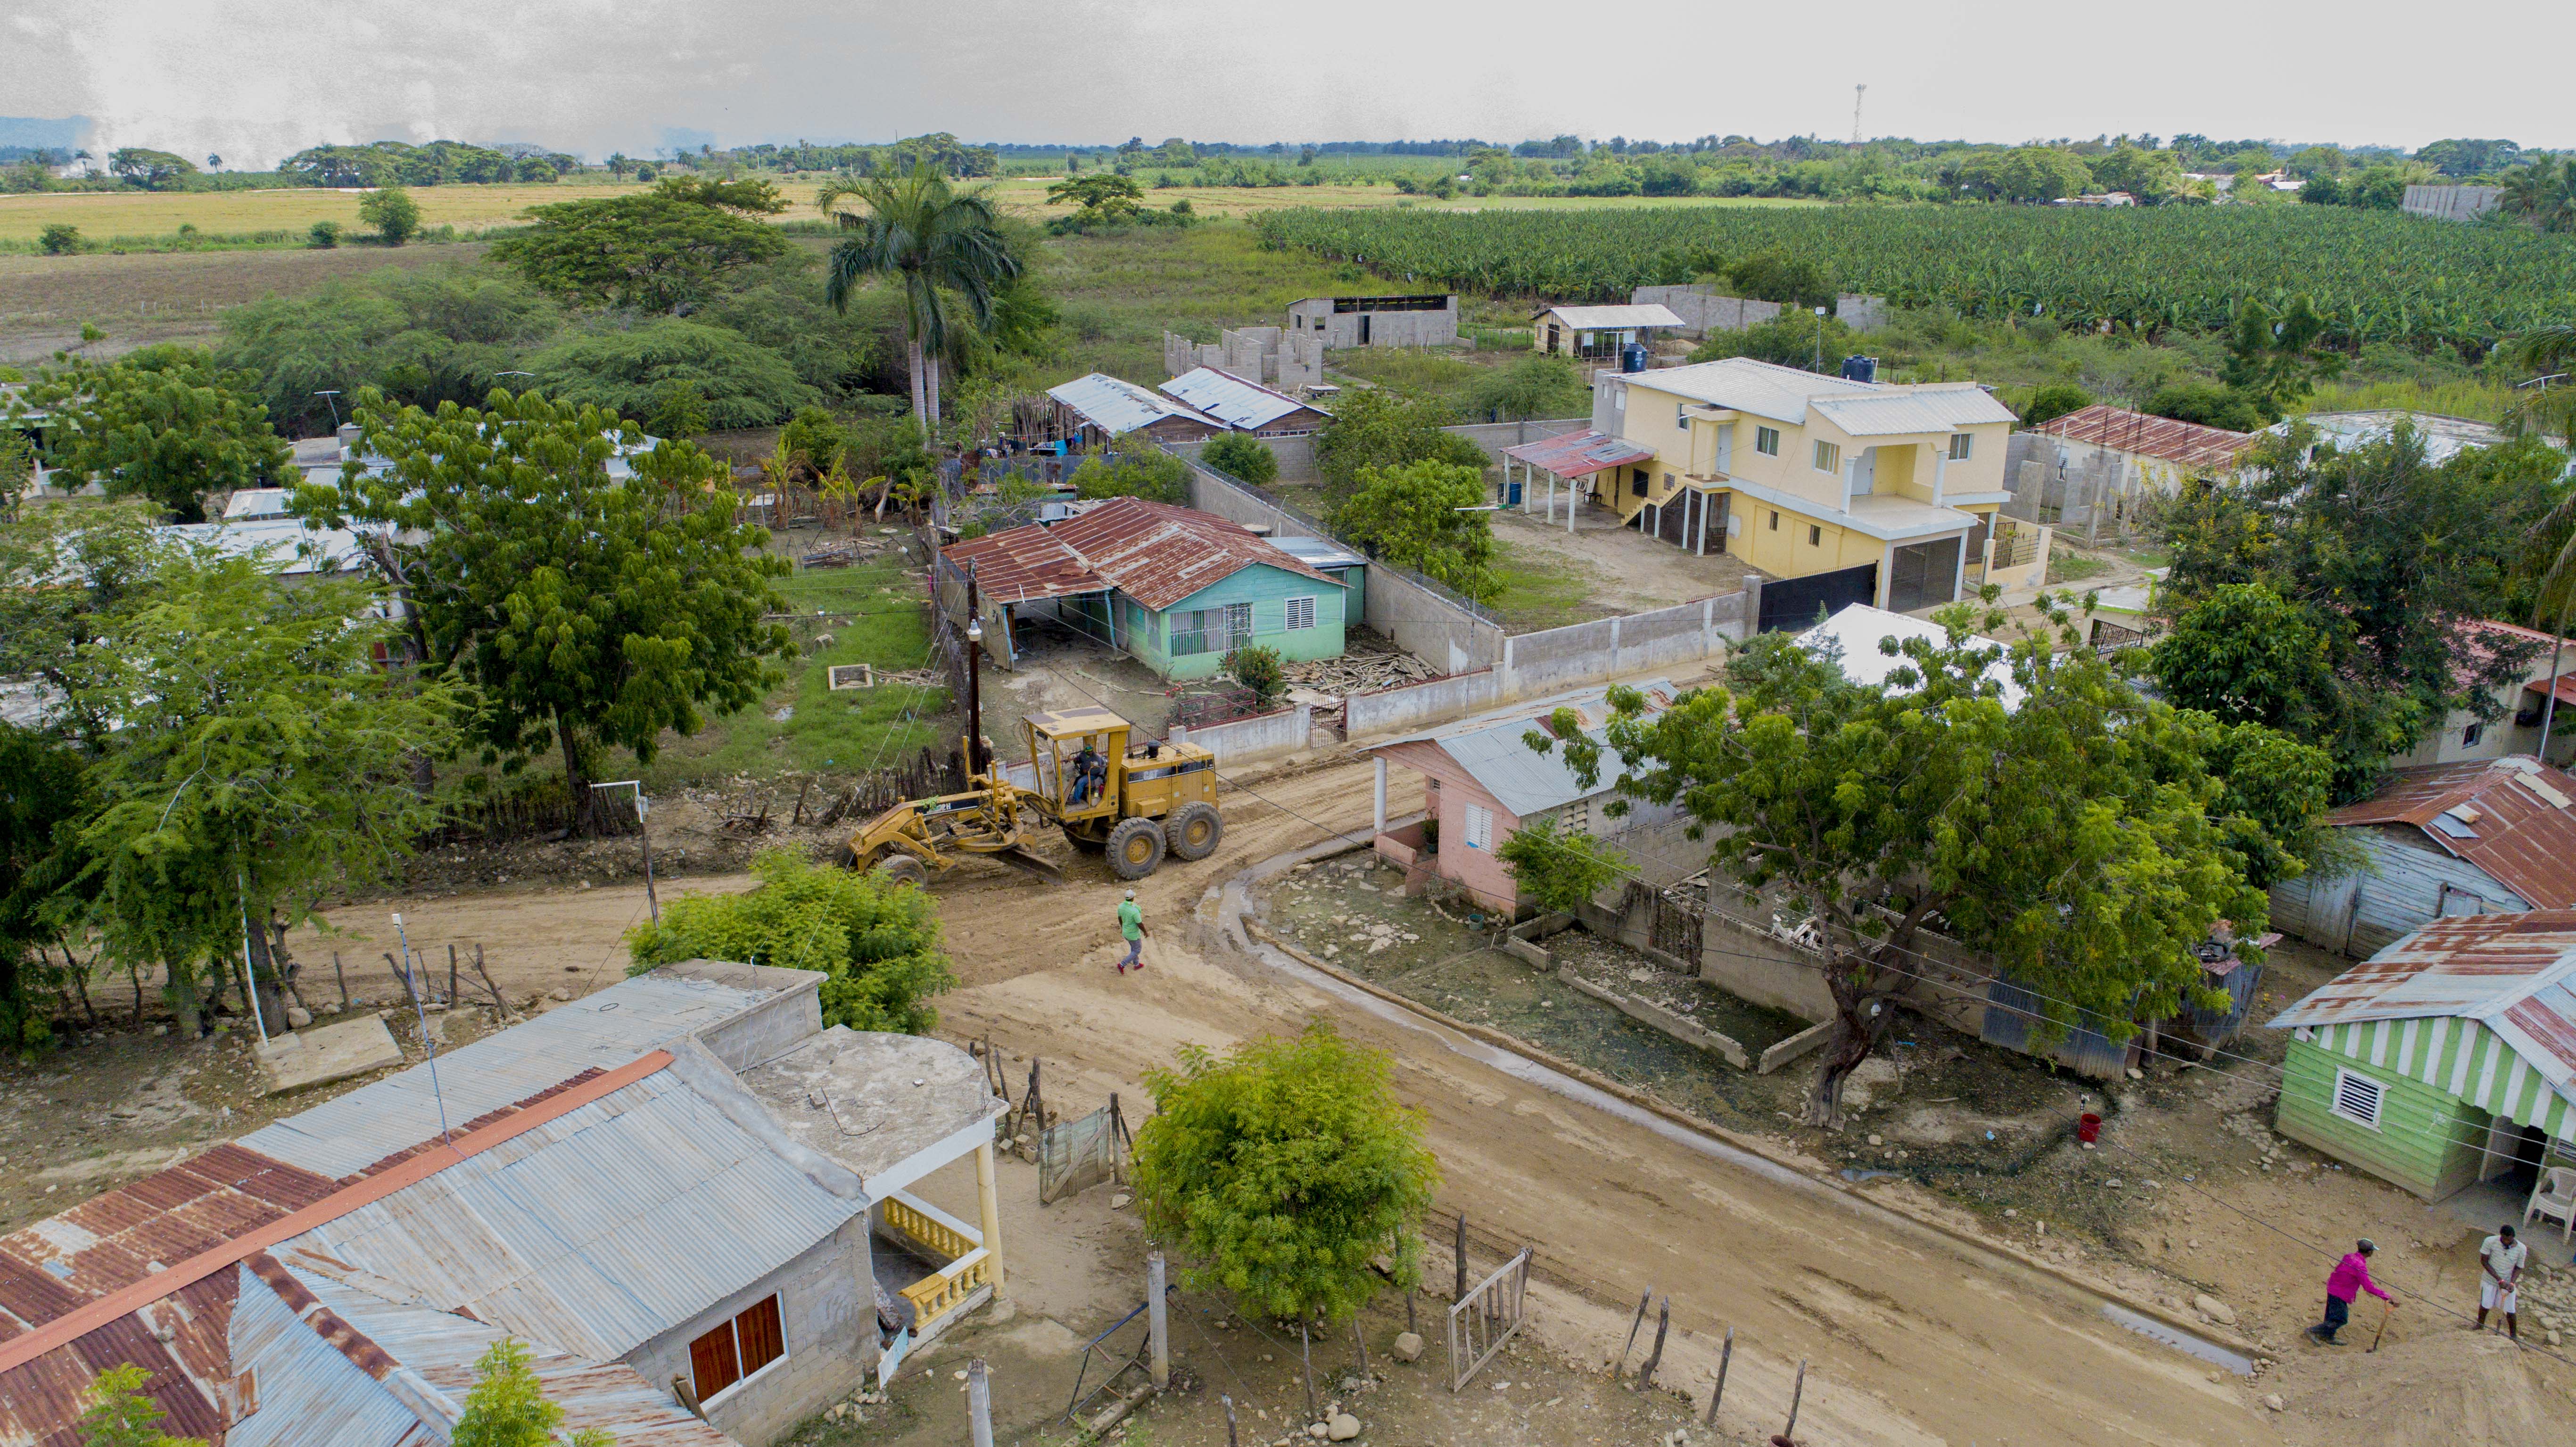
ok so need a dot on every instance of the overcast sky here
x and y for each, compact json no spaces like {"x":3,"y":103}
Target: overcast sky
{"x":258,"y":79}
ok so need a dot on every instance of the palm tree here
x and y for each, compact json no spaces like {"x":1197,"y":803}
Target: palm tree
{"x":2547,"y":350}
{"x":932,"y":240}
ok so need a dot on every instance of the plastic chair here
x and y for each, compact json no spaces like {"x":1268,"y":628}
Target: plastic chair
{"x":2554,"y":1194}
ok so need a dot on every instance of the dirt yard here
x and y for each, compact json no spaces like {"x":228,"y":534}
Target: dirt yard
{"x":1627,"y":571}
{"x":1911,"y":1336}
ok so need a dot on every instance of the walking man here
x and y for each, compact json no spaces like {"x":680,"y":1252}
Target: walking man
{"x":1131,"y":923}
{"x":2500,"y":1261}
{"x":2351,"y":1277}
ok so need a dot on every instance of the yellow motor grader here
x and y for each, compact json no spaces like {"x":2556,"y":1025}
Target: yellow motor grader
{"x":1135,"y":804}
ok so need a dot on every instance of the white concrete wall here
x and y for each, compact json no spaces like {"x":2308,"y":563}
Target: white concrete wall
{"x":1260,"y":737}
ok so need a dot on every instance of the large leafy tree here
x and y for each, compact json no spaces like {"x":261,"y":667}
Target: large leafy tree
{"x":437,"y":334}
{"x":1533,"y":386}
{"x":876,"y":940}
{"x":152,"y":170}
{"x":1424,"y":515}
{"x":2272,"y":359}
{"x":1286,"y":1167}
{"x":629,"y":371}
{"x":2390,"y":559}
{"x":164,"y":423}
{"x":1376,"y":428}
{"x":41,"y":797}
{"x":586,"y":609}
{"x":940,"y":247}
{"x":664,"y":250}
{"x":2070,"y":836}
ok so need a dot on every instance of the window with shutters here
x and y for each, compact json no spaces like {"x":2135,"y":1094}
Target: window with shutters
{"x":1480,"y":827}
{"x":738,"y":1350}
{"x":1576,"y":818}
{"x":1961,"y":444}
{"x":1301,"y":613}
{"x":2356,"y":1098}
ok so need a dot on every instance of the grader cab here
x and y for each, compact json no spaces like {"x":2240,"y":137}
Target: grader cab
{"x":1134,"y":804}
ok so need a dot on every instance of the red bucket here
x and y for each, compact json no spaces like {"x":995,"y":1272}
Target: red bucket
{"x":2088,"y":1128}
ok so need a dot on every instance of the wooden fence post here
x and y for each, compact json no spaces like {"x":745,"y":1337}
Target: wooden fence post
{"x":1620,"y":1369}
{"x":1717,"y":1394}
{"x":1655,"y":1358}
{"x":1462,"y":1259}
{"x":338,"y":974}
{"x":1797,"y":1393}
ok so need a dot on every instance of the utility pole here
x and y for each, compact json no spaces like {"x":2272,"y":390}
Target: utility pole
{"x":974,"y":679}
{"x":1856,"y":95}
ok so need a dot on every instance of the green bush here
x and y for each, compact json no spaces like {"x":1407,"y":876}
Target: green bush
{"x":392,"y":212}
{"x":59,"y":239}
{"x":878,"y":942}
{"x":1259,"y":668}
{"x":324,"y":235}
{"x":2052,"y":400}
{"x":1144,"y":471}
{"x":1558,"y":871}
{"x":1791,"y":339}
{"x":1240,"y":456}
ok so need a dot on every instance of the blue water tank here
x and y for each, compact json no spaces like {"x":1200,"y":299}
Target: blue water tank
{"x":1860,"y":369}
{"x":1632,"y":357}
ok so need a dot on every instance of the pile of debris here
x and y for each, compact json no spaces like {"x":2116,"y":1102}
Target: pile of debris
{"x":1359,"y":672}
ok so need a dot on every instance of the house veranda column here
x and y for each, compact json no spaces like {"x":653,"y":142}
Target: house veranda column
{"x":988,"y":1205}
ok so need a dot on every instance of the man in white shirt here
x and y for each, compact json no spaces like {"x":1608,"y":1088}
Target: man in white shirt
{"x":2500,"y":1262}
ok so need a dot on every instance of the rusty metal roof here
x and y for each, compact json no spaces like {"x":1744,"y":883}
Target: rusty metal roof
{"x":2509,"y":972}
{"x":1154,"y":552}
{"x":2511,"y":817}
{"x":1579,"y":454}
{"x":2187,"y":444}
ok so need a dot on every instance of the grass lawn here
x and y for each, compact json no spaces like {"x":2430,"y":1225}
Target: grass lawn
{"x":874,"y":613}
{"x":1540,"y":590}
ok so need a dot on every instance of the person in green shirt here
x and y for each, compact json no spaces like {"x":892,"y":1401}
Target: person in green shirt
{"x":1131,"y":924}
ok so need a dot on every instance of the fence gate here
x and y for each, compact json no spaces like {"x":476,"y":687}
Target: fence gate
{"x":1485,"y":1318}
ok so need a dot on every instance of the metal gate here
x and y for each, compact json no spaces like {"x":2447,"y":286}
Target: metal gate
{"x":1798,"y":603}
{"x":1485,"y":1318}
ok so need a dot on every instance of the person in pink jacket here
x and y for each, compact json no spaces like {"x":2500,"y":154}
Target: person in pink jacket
{"x":2351,"y":1278}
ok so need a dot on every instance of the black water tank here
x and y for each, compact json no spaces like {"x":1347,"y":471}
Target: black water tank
{"x":1860,"y":369}
{"x":1632,"y":357}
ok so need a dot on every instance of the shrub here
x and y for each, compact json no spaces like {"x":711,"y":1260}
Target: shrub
{"x":2053,"y":400}
{"x":392,"y":212}
{"x":323,"y":236}
{"x":1558,"y":871}
{"x":878,"y":942}
{"x":59,"y":239}
{"x":1147,"y":473}
{"x":1239,"y":455}
{"x":1287,"y":1168}
{"x":1259,"y":668}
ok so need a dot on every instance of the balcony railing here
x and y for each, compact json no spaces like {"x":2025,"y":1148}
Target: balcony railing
{"x":937,"y":1236}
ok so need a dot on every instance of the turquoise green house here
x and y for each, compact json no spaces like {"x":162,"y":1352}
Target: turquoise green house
{"x":1176,"y":588}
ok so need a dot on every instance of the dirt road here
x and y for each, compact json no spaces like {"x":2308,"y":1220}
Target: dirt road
{"x":1912,"y":1338}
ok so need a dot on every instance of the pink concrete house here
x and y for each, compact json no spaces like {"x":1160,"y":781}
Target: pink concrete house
{"x":1481,"y":782}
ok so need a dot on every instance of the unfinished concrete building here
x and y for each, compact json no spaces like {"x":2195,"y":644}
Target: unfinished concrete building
{"x":1377,"y":321}
{"x":1272,"y":356}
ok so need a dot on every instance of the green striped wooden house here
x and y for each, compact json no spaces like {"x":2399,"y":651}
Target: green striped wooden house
{"x":2447,"y":1058}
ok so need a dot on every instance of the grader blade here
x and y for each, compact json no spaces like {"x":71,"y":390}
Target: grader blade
{"x":1036,"y":866}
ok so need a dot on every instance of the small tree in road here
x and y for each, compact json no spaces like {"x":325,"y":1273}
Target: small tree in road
{"x":1285,"y":1168}
{"x":586,"y":610}
{"x":2077,"y":836}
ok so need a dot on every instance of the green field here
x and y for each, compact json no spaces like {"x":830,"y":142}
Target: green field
{"x":2377,"y":276}
{"x":873,"y":613}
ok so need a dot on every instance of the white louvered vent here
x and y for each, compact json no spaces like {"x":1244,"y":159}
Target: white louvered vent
{"x":2356,"y":1098}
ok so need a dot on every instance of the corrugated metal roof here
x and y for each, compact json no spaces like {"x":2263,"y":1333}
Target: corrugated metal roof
{"x":1492,"y":749}
{"x":1619,"y":318}
{"x":1579,"y":454}
{"x":1319,"y":552}
{"x":1116,"y":405}
{"x":2187,"y":444}
{"x":599,"y":1230}
{"x":2509,"y":972}
{"x":1153,"y":552}
{"x":349,"y":1134}
{"x":2522,"y":836}
{"x":1232,"y":400}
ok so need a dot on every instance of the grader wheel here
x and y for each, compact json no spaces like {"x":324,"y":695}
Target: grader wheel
{"x":1194,"y":831}
{"x":1135,"y":848}
{"x":901,"y":869}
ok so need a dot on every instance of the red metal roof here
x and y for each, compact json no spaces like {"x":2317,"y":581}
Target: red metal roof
{"x":2188,"y":444}
{"x":2509,"y":972}
{"x":2492,"y":813}
{"x":1579,"y":454}
{"x":1154,"y":552}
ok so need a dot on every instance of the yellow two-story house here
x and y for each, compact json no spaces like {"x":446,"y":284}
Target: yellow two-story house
{"x":1892,"y":488}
